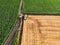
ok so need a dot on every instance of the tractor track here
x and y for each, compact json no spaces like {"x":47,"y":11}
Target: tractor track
{"x":9,"y":39}
{"x":22,"y":21}
{"x":11,"y":36}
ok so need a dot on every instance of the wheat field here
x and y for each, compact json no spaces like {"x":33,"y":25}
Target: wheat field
{"x":41,"y":30}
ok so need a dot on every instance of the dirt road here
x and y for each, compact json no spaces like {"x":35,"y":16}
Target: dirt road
{"x":41,"y":30}
{"x":9,"y":39}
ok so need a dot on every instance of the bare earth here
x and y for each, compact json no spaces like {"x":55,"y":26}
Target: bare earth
{"x":41,"y":30}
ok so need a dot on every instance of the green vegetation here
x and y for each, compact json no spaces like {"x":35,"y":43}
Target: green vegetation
{"x":41,"y":6}
{"x":8,"y":17}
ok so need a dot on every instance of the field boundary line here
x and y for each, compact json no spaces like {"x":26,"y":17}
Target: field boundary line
{"x":9,"y":39}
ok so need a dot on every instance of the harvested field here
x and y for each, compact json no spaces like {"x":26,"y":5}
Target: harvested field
{"x":41,"y":30}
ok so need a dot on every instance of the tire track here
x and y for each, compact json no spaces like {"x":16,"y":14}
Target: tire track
{"x":9,"y":39}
